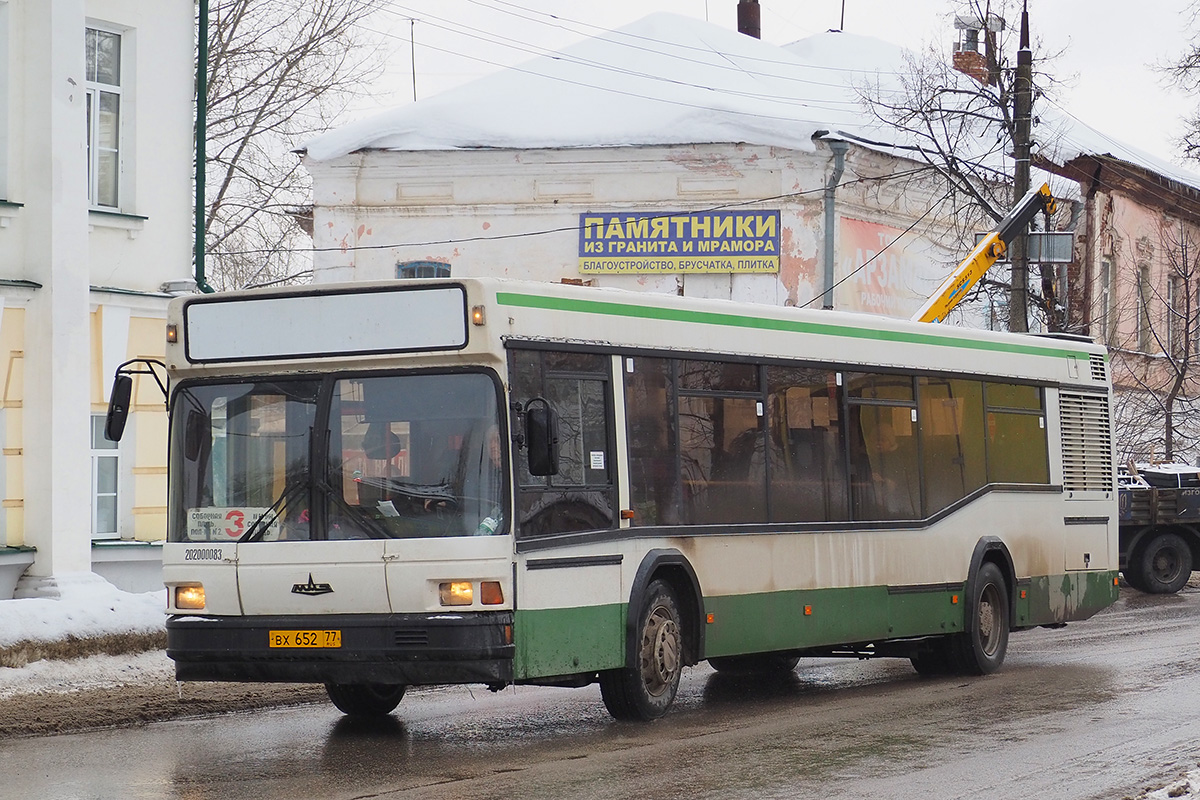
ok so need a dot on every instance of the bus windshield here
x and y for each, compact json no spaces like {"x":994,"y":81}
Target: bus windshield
{"x":390,"y":456}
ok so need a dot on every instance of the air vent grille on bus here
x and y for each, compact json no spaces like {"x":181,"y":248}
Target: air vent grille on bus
{"x":1086,"y":442}
{"x":1097,"y":368}
{"x":410,"y":637}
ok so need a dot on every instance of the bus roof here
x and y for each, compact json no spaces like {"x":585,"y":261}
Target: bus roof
{"x":369,"y":323}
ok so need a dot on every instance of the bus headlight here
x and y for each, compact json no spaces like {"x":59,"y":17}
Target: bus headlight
{"x":191,"y":596}
{"x":456,"y":593}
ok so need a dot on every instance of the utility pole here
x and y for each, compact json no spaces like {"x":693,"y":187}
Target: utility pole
{"x":1018,"y":313}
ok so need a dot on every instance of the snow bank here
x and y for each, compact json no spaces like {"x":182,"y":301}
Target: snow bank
{"x":87,"y":606}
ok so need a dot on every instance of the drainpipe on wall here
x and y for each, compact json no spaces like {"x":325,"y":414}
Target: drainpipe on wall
{"x":839,"y":149}
{"x":201,"y":134}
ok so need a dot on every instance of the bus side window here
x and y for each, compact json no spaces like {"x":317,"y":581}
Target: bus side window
{"x":807,"y":447}
{"x":884,"y":472}
{"x":656,"y":495}
{"x":581,"y":494}
{"x":952,"y":440}
{"x":1016,"y":434}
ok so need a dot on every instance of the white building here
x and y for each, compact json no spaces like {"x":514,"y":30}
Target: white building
{"x":96,"y":195}
{"x":523,"y":172}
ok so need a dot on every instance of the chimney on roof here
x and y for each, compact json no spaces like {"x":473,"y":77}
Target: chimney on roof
{"x":748,"y":18}
{"x":972,"y":51}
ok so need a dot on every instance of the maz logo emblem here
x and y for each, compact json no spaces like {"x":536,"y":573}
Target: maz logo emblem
{"x":311,"y":588}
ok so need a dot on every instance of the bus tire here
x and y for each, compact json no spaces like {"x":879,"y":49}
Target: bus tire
{"x":645,"y":688}
{"x":980,"y":648}
{"x":1164,"y":564}
{"x":766,"y":663}
{"x":365,"y":699}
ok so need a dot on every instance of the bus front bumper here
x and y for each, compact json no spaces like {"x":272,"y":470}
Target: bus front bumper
{"x":412,"y":649}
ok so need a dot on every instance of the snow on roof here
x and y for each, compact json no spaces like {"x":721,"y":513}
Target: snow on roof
{"x":669,"y":79}
{"x":665,"y":79}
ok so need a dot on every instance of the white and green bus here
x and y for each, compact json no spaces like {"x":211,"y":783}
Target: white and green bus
{"x":479,"y":481}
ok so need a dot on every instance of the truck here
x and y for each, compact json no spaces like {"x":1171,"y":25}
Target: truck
{"x":1159,"y":525}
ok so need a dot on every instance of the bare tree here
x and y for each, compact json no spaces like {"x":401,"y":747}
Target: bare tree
{"x":963,"y":126}
{"x":1184,"y":72}
{"x":1157,"y":385}
{"x":278,"y":73}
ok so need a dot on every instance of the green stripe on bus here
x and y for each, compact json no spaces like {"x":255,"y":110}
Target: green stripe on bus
{"x":565,"y":641}
{"x":790,"y":326}
{"x":758,"y":623}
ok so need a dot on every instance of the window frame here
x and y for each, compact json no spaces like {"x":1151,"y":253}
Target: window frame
{"x":109,"y":451}
{"x":1144,"y":337}
{"x":1105,"y":310}
{"x":529,"y":489}
{"x":93,"y":91}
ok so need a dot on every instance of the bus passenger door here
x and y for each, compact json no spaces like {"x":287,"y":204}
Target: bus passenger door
{"x":569,"y":616}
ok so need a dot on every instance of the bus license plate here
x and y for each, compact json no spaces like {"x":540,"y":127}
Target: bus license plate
{"x":304,"y":638}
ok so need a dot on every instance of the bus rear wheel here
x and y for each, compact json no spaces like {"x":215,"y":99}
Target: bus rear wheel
{"x":365,"y":699}
{"x":1164,"y":565}
{"x":645,"y":689}
{"x":980,"y":648}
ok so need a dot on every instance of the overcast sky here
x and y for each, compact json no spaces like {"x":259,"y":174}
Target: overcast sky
{"x":1110,"y":45}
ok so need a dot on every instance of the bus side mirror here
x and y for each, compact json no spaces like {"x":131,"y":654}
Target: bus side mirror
{"x":118,"y":408}
{"x":541,"y":437}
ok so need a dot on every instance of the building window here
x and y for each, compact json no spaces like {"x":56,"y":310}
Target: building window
{"x":1144,"y":334}
{"x":105,"y":463}
{"x":103,"y":85}
{"x":422,"y":269}
{"x":1104,"y":321}
{"x":1177,"y":316}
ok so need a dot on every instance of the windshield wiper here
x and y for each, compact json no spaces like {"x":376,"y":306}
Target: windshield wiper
{"x":380,"y":531}
{"x":260,"y":526}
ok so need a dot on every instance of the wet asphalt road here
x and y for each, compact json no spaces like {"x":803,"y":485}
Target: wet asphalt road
{"x":1104,"y":708}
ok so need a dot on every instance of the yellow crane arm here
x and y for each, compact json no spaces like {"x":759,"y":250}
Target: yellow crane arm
{"x":985,"y":254}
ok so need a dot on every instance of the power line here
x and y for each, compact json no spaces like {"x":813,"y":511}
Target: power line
{"x":612,"y":37}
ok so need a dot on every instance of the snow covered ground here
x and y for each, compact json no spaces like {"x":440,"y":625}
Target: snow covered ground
{"x":88,"y":607}
{"x":1186,"y":788}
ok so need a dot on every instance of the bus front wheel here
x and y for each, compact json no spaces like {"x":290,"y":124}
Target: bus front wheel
{"x":980,"y":648}
{"x":365,"y":699}
{"x":645,"y":689}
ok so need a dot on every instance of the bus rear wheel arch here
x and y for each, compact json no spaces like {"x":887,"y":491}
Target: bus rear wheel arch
{"x":983,"y":643}
{"x":981,"y":647}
